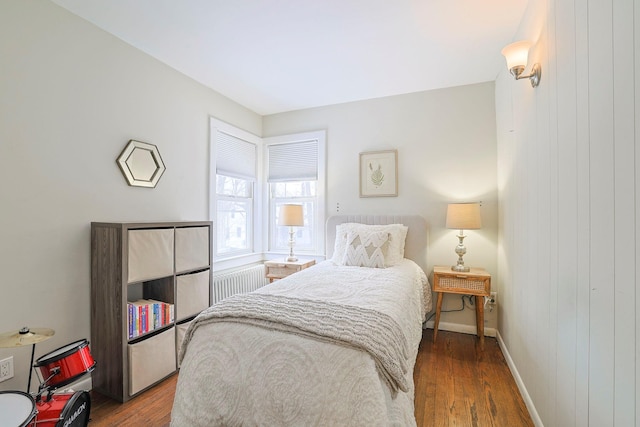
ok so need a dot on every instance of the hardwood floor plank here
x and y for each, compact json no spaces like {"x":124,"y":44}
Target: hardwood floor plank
{"x":474,"y":386}
{"x":152,"y":408}
{"x":458,"y":382}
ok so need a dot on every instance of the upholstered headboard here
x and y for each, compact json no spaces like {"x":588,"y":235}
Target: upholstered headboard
{"x":415,"y":247}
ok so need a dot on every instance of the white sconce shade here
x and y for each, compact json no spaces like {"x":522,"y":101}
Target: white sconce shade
{"x":516,"y":54}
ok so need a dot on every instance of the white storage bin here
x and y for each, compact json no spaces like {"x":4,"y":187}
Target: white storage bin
{"x":192,"y":248}
{"x":151,"y":360}
{"x":150,"y":254}
{"x":181,"y":330}
{"x":192,"y":294}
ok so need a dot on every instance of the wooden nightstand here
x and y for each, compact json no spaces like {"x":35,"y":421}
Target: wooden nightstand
{"x":278,"y":269}
{"x":475,"y":282}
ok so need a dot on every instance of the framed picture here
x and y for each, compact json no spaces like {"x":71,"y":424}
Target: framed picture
{"x":379,"y":174}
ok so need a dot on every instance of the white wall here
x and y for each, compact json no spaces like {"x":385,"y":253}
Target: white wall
{"x":71,"y":96}
{"x":446,"y":152}
{"x":569,"y":187}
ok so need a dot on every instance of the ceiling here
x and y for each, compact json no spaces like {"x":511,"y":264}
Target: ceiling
{"x":280,"y":55}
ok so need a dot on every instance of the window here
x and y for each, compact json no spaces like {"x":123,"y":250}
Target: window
{"x":234,"y":214}
{"x":301,"y":193}
{"x":296,"y":174}
{"x":250,"y":179}
{"x":234,"y":155}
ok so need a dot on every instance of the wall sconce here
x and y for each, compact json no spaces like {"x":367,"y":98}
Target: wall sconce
{"x":516,"y":55}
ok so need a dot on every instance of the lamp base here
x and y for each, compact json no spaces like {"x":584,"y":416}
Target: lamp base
{"x":292,"y":243}
{"x":460,"y":250}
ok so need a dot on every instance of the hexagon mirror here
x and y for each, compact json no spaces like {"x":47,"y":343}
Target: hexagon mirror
{"x":141,"y":164}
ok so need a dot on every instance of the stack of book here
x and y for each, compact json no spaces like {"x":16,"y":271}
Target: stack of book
{"x":145,"y":315}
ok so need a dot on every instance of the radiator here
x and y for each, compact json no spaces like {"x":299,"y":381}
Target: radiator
{"x":240,"y":281}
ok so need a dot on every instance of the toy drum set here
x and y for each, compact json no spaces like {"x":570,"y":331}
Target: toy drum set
{"x":57,"y":369}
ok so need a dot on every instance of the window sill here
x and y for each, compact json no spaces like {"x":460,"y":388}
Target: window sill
{"x":237,"y":261}
{"x":276,"y":255}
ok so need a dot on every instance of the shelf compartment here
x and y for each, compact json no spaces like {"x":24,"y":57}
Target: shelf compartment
{"x":150,"y":254}
{"x":151,"y":360}
{"x":192,"y":248}
{"x":149,"y":292}
{"x":192,"y":294}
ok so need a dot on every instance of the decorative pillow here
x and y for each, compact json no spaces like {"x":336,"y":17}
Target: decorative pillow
{"x":366,"y":249}
{"x":397,"y":236}
{"x":340,"y":245}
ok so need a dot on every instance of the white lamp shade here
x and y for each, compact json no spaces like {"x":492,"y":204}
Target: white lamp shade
{"x":291,"y":215}
{"x":463,"y":216}
{"x":517,"y":54}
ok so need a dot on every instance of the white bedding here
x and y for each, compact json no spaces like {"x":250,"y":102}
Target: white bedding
{"x":234,"y":373}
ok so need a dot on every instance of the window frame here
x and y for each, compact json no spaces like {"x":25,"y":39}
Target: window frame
{"x":320,"y":206}
{"x":250,"y":218}
{"x":273,"y":231}
{"x":255,"y":251}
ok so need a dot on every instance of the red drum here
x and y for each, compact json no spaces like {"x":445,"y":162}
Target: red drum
{"x":64,"y":410}
{"x":17,"y":409}
{"x":66,"y":364}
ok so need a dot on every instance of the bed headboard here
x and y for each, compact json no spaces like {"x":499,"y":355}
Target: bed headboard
{"x":415,"y":247}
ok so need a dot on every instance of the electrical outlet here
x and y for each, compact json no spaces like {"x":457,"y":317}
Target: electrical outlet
{"x":6,"y":368}
{"x":491,"y":301}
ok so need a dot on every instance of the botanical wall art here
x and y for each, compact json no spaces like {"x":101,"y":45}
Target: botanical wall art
{"x":379,"y":173}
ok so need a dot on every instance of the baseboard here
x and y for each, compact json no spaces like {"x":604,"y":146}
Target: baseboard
{"x":457,"y":327}
{"x":523,"y":390}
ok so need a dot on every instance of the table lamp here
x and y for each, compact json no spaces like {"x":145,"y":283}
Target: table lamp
{"x":291,"y":216}
{"x":463,"y":216}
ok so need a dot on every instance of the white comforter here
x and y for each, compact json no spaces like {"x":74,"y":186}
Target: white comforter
{"x":238,"y":374}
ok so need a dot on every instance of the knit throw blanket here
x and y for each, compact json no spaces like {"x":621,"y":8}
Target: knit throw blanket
{"x":357,"y":327}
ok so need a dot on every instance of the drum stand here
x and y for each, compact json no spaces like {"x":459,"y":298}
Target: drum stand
{"x":26,"y":336}
{"x":43,"y":385}
{"x":33,"y":350}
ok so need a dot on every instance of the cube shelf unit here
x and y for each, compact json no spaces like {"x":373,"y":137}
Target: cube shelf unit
{"x":170,"y":262}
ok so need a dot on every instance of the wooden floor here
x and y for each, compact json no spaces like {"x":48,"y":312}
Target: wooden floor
{"x":458,"y":383}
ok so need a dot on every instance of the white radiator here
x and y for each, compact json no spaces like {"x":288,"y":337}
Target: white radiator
{"x":240,"y":281}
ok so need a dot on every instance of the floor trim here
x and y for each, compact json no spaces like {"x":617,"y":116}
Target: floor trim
{"x":464,"y":329}
{"x":516,"y":375}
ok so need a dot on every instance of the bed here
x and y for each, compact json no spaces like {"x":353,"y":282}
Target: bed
{"x":332,"y":344}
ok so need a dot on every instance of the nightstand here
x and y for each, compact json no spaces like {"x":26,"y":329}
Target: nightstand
{"x":278,"y":269}
{"x":474,"y":282}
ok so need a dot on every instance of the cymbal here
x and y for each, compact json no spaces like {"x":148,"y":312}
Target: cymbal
{"x":25,"y":336}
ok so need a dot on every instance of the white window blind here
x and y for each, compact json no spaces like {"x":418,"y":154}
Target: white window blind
{"x":235,"y":157}
{"x":295,"y":161}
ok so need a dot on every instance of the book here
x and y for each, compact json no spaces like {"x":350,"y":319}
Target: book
{"x":146,"y":315}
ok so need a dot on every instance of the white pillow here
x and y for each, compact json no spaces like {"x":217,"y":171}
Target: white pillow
{"x":397,"y":237}
{"x":366,"y":249}
{"x":340,"y":245}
